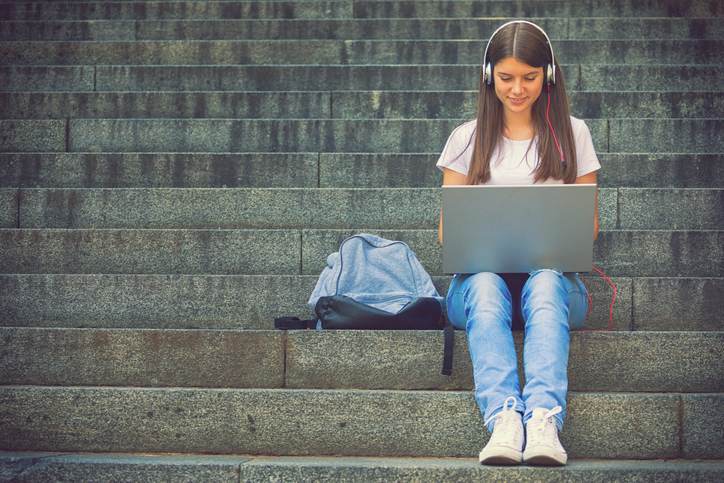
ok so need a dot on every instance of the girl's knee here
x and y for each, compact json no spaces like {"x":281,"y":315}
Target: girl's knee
{"x":486,"y":293}
{"x":545,"y":273}
{"x":545,"y":281}
{"x":486,"y":283}
{"x":547,"y":290}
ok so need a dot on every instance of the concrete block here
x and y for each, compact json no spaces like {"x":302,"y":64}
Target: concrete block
{"x":230,"y":252}
{"x":646,"y":361}
{"x":644,"y":28}
{"x":152,"y":301}
{"x":47,"y":77}
{"x":684,"y":303}
{"x":677,"y":209}
{"x":660,"y":253}
{"x":655,"y":135}
{"x":662,"y":78}
{"x":32,"y":135}
{"x":378,"y":170}
{"x":703,"y":425}
{"x":215,"y":52}
{"x":287,"y":135}
{"x":646,"y":425}
{"x":159,"y":170}
{"x":92,"y":10}
{"x":472,"y":8}
{"x":33,"y":466}
{"x":155,"y":105}
{"x":661,"y":170}
{"x":228,"y":208}
{"x":9,"y":211}
{"x":636,"y":105}
{"x":154,"y":357}
{"x":67,"y":30}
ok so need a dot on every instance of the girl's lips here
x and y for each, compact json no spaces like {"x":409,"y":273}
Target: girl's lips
{"x":517,"y":101}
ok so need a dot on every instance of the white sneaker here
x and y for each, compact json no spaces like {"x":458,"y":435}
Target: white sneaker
{"x":506,"y":443}
{"x":541,"y":433}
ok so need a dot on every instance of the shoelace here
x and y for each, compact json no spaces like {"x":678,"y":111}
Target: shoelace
{"x":547,"y":416}
{"x":506,"y":407}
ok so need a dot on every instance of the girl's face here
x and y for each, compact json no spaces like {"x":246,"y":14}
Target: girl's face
{"x":517,"y":85}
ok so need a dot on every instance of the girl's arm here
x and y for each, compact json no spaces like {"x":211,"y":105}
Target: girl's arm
{"x":588,"y":179}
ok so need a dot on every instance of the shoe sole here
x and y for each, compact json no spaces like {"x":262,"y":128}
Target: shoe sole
{"x":505,"y":457}
{"x":544,"y":460}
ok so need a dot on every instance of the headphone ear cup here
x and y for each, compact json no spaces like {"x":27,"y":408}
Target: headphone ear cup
{"x":550,"y":75}
{"x":488,"y":73}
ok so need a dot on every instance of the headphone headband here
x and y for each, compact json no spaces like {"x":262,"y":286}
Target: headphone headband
{"x":487,"y":66}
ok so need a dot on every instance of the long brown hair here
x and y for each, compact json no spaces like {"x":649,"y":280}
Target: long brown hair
{"x":526,"y":44}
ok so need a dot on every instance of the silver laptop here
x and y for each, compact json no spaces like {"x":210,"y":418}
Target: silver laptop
{"x":517,"y":228}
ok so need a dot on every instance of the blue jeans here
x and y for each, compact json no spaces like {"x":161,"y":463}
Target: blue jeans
{"x":551,"y":304}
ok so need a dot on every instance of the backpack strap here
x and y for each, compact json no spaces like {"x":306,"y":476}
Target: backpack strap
{"x":447,"y":360}
{"x":292,"y":323}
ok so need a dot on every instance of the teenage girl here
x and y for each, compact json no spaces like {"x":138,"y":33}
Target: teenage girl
{"x":523,"y":134}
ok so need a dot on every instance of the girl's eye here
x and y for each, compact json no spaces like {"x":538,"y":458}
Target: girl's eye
{"x":508,"y":78}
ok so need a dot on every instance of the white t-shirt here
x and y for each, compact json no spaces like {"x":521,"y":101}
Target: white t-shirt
{"x":508,"y":165}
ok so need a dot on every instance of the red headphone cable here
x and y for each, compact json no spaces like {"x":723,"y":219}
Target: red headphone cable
{"x":613,"y":299}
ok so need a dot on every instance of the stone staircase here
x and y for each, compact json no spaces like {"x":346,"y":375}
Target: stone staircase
{"x":173,"y":175}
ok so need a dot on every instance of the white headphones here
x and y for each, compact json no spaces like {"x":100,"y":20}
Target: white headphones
{"x":549,"y":68}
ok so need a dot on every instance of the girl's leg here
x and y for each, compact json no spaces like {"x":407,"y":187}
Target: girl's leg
{"x":577,"y":301}
{"x":545,"y":307}
{"x":480,"y":303}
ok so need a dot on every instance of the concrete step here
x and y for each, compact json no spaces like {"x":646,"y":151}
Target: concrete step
{"x":340,"y":359}
{"x":183,"y":170}
{"x":590,"y":77}
{"x":611,"y":28}
{"x":347,"y":9}
{"x":341,"y":422}
{"x":313,"y":170}
{"x":233,"y":105}
{"x":267,"y":52}
{"x":143,"y":10}
{"x":253,"y":301}
{"x":153,"y":357}
{"x":663,"y":253}
{"x":332,"y":208}
{"x":36,"y":466}
{"x":335,"y":104}
{"x":561,"y":8}
{"x":326,"y":135}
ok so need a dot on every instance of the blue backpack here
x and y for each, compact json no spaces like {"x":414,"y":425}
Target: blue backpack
{"x":376,"y":284}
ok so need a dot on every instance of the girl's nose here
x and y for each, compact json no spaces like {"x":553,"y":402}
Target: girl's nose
{"x":517,"y":86}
